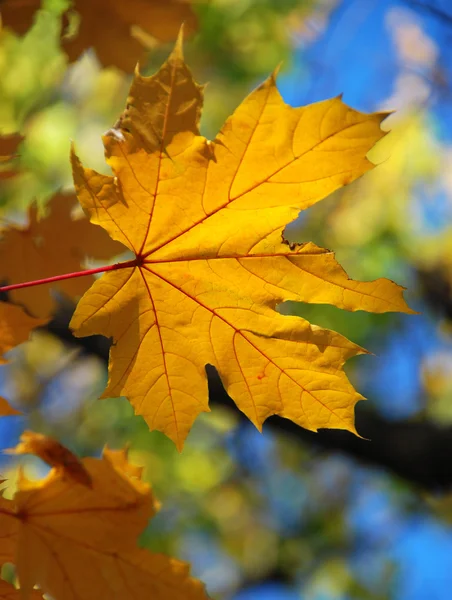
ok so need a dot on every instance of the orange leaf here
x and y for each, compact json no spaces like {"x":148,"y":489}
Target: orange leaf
{"x":6,"y":410}
{"x":54,"y":245}
{"x":19,"y":14}
{"x":119,"y":460}
{"x":110,"y":26}
{"x":9,"y":528}
{"x":81,"y":542}
{"x":53,"y":453}
{"x":205,"y":221}
{"x":9,"y":592}
{"x":141,"y":575}
{"x":15,"y":328}
{"x":8,"y":147}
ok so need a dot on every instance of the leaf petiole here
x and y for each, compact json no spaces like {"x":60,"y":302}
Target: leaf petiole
{"x":25,"y":284}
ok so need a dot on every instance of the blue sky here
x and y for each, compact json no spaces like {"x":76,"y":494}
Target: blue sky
{"x":356,"y":56}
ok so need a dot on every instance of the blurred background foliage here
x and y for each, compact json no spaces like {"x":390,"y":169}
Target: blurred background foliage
{"x":269,"y":516}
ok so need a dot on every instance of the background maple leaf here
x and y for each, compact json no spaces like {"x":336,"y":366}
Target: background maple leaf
{"x":6,"y":410}
{"x":9,"y":592}
{"x":54,"y":454}
{"x":15,"y":328}
{"x":50,"y":245}
{"x":8,"y":148}
{"x":8,"y":532}
{"x":79,"y":540}
{"x":116,"y":39}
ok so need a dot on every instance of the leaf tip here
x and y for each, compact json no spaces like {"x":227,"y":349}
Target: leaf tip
{"x":136,"y":71}
{"x":75,"y":161}
{"x":258,"y":424}
{"x":363,"y":351}
{"x":276,"y":71}
{"x":385,"y":114}
{"x":178,"y":50}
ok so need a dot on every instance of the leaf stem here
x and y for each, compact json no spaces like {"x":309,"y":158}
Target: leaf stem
{"x":25,"y":284}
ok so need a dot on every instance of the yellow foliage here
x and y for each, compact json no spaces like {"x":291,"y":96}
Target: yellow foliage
{"x":205,"y":221}
{"x":53,"y":453}
{"x":51,"y":246}
{"x":112,"y":27}
{"x":15,"y":328}
{"x":80,"y":541}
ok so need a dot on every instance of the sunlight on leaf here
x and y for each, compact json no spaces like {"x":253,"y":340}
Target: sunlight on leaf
{"x":79,"y":541}
{"x":205,"y":221}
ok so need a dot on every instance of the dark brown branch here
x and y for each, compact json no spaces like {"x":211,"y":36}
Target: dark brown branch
{"x":415,"y":451}
{"x":431,"y":9}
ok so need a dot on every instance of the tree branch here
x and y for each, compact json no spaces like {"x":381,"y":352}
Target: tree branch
{"x":414,"y":451}
{"x":431,"y":9}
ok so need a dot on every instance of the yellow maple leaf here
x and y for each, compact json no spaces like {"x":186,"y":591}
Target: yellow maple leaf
{"x":15,"y":328}
{"x":50,"y":246}
{"x":112,"y":27}
{"x":77,"y":541}
{"x":205,"y":221}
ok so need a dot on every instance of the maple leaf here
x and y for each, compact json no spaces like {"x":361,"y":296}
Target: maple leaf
{"x":54,"y":454}
{"x":79,"y":542}
{"x":8,"y":148}
{"x":49,"y":246}
{"x":15,"y":328}
{"x":205,"y":221}
{"x":112,"y":27}
{"x":8,"y":532}
{"x":6,"y":410}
